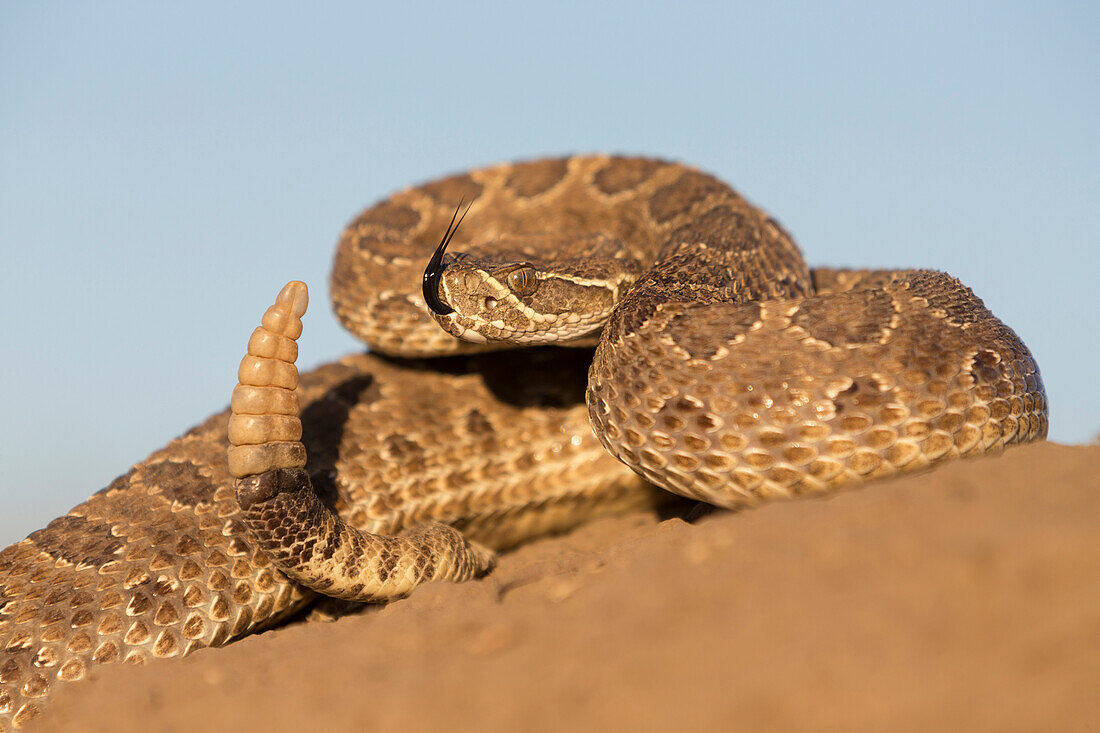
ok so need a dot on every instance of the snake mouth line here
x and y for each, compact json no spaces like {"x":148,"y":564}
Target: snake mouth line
{"x":463,"y":333}
{"x":434,"y":271}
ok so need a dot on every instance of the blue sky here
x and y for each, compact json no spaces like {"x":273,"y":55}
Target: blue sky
{"x":165,"y":168}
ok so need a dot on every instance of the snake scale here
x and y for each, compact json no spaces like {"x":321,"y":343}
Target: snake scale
{"x":723,"y":369}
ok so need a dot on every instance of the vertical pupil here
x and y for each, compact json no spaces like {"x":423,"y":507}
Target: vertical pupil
{"x":520,"y":279}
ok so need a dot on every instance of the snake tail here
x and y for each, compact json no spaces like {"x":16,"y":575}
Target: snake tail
{"x":297,"y":531}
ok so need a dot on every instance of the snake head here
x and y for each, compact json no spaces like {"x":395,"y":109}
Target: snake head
{"x":529,"y":289}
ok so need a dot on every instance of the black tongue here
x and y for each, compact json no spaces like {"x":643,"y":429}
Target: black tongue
{"x":434,"y":271}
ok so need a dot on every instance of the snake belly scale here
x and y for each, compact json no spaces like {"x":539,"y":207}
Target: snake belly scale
{"x":724,"y":369}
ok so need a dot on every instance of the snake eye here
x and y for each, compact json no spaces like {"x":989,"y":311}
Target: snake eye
{"x":522,"y":280}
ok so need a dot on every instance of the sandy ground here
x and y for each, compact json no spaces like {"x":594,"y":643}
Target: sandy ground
{"x":965,"y":598}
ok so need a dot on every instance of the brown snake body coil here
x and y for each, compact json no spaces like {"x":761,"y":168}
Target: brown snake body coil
{"x":737,"y":377}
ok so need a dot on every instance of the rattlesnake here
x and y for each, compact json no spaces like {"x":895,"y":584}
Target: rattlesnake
{"x":726,"y":371}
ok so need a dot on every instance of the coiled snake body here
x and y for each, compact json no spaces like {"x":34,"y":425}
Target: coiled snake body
{"x":724,"y":370}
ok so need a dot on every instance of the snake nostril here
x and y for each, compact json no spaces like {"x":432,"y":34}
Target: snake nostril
{"x":490,"y":303}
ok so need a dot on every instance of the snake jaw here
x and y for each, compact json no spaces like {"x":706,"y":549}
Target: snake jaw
{"x":451,"y":325}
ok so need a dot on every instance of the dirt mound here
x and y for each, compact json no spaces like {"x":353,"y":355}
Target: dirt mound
{"x":962,"y":598}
